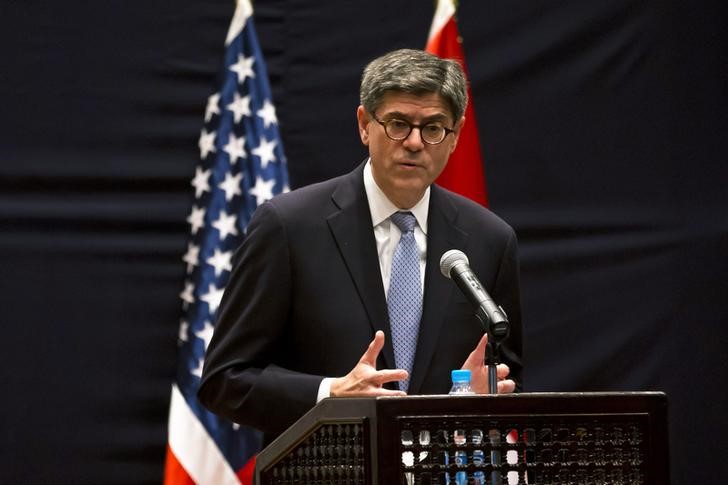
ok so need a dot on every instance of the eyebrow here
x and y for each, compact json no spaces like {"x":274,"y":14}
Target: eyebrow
{"x":399,"y":115}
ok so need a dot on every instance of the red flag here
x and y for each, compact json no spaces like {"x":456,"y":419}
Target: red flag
{"x":464,"y":172}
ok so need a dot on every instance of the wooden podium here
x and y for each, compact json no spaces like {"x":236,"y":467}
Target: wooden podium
{"x":528,"y":438}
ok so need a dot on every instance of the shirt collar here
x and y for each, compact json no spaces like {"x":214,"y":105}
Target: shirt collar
{"x":381,"y":207}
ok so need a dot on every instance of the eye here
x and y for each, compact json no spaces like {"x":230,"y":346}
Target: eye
{"x":433,"y":128}
{"x":398,"y":125}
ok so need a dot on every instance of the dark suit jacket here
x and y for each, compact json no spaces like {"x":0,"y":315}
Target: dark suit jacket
{"x":305,"y":298}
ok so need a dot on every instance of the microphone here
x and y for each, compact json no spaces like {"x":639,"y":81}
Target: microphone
{"x":455,"y":265}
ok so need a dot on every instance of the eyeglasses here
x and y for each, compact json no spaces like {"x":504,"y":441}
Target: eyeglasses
{"x":432,"y":133}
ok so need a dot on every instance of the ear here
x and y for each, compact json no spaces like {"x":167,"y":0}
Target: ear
{"x":456,"y":134}
{"x":362,"y":118}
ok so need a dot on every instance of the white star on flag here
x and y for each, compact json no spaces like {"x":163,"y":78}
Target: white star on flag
{"x":265,"y":152}
{"x":206,"y":143}
{"x":196,"y":218}
{"x":243,"y":68}
{"x":225,"y":223}
{"x":197,"y":371}
{"x":192,"y":256}
{"x":221,"y":261}
{"x":206,"y":333}
{"x":201,"y":182}
{"x":268,"y":114}
{"x":240,"y":107}
{"x":263,"y":190}
{"x":213,"y":107}
{"x":231,"y":185}
{"x":213,"y":297}
{"x":183,"y":326}
{"x":187,"y":294}
{"x":235,"y":148}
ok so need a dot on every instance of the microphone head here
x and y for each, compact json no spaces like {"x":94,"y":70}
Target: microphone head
{"x":450,"y":259}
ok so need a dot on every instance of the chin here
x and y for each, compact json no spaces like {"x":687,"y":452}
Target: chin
{"x":411,"y":184}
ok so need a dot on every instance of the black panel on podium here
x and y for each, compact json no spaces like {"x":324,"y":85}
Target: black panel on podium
{"x":528,"y":438}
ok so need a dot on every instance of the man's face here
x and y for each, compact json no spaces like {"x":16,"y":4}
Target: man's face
{"x":404,"y":169}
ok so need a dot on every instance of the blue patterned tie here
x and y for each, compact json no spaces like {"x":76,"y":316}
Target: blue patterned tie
{"x":405,"y":295}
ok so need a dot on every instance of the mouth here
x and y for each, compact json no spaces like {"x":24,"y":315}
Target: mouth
{"x":409,"y":164}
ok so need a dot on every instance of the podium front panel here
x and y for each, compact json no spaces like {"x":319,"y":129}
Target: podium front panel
{"x":519,"y":449}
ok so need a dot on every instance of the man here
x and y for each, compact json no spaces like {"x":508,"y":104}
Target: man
{"x":319,"y":279}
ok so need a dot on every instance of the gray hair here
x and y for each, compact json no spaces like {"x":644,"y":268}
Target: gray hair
{"x":414,"y":72}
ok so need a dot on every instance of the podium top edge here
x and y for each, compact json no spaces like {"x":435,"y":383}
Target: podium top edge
{"x":527,"y":395}
{"x":520,"y":395}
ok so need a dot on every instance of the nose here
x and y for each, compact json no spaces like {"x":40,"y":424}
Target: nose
{"x":414,"y":141}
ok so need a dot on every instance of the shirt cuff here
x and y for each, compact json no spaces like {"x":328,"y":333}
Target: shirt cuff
{"x":324,"y":390}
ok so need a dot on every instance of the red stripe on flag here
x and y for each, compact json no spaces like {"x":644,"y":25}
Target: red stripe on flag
{"x":174,"y":472}
{"x":245,"y":474}
{"x":464,"y":171}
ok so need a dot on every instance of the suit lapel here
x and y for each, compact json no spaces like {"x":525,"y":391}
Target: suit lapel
{"x":351,"y":227}
{"x":442,"y":235}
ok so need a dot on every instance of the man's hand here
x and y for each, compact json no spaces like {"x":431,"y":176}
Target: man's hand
{"x":479,"y":371}
{"x":364,"y":379}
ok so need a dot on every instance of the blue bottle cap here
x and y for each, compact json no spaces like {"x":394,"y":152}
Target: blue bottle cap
{"x":460,"y":375}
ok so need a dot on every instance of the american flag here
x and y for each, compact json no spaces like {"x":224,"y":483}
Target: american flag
{"x":241,"y":165}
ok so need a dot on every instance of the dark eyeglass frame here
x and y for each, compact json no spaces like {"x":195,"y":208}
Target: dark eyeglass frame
{"x":411,"y":127}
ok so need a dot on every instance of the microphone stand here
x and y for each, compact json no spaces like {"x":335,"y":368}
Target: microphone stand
{"x":497,"y":332}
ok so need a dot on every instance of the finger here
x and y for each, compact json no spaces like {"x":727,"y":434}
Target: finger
{"x":475,"y":359}
{"x":372,"y":352}
{"x":385,"y":392}
{"x":502,"y":371}
{"x":506,"y":387}
{"x":389,"y":375}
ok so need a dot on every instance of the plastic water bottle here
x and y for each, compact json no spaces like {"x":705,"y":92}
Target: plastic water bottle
{"x":461,"y":383}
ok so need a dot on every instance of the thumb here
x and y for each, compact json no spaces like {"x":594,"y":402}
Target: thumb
{"x":372,"y":352}
{"x":477,"y":356}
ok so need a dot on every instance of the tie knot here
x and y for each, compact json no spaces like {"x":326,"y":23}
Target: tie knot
{"x":405,"y":221}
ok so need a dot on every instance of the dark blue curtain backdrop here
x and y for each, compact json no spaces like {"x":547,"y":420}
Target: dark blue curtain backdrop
{"x":604,"y":127}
